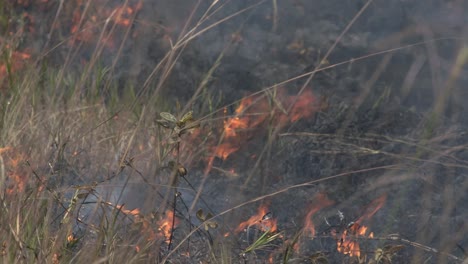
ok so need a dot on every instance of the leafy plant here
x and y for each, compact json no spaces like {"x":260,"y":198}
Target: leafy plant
{"x":205,"y":218}
{"x":179,"y":127}
{"x":263,"y":241}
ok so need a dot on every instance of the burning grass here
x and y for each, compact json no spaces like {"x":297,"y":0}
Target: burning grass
{"x":93,"y":170}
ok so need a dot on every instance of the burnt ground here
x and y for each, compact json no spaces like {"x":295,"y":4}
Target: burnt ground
{"x":371,"y":120}
{"x":379,"y":111}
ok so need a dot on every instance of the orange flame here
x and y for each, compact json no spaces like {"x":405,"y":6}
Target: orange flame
{"x":72,"y":239}
{"x":122,"y":15}
{"x":84,"y":28}
{"x":321,"y":202}
{"x":260,"y":220}
{"x":254,"y":110}
{"x":134,"y":212}
{"x":271,"y":258}
{"x":165,"y":225}
{"x":347,"y":243}
{"x":349,"y":246}
{"x":161,"y":229}
{"x":372,"y":208}
{"x":303,"y":106}
{"x":16,"y":179}
{"x":224,"y":150}
{"x":17,"y":61}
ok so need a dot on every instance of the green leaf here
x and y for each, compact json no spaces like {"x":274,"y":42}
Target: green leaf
{"x":200,"y":215}
{"x":262,"y":241}
{"x":188,"y":117}
{"x":204,"y":218}
{"x":208,"y":216}
{"x":168,"y":117}
{"x":165,"y":123}
{"x":210,"y":224}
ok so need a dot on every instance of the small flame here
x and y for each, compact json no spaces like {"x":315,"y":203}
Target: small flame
{"x":305,"y":106}
{"x":134,"y":212}
{"x":84,"y":27}
{"x":122,"y":15}
{"x":71,"y":238}
{"x":349,"y":246}
{"x":161,"y":229}
{"x":261,"y":220}
{"x":321,"y":201}
{"x":254,"y":110}
{"x":16,"y":175}
{"x":347,"y":243}
{"x":224,"y":150}
{"x":372,"y":208}
{"x":233,"y":124}
{"x":17,"y":60}
{"x":167,"y":224}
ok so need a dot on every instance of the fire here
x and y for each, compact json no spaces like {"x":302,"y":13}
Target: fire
{"x":166,"y":224}
{"x":253,"y":111}
{"x":134,"y":212}
{"x":16,"y":180}
{"x":85,"y":35}
{"x":86,"y":21}
{"x":72,"y":239}
{"x":224,"y":150}
{"x":261,"y":220}
{"x":17,"y":61}
{"x":159,"y":229}
{"x":372,"y":208}
{"x":123,"y":14}
{"x":347,"y":242}
{"x":231,"y":128}
{"x":233,"y":124}
{"x":84,"y":25}
{"x":304,"y":106}
{"x":321,"y":202}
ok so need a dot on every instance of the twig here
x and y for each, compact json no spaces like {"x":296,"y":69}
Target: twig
{"x":396,"y":237}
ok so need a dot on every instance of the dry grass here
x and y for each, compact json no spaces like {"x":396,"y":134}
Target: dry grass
{"x":93,"y":170}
